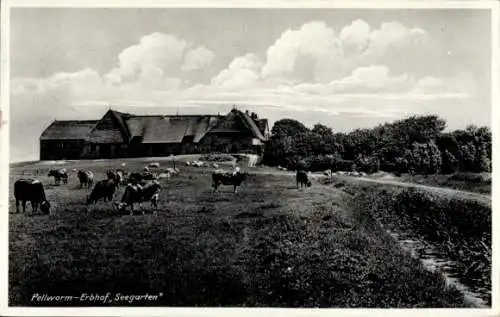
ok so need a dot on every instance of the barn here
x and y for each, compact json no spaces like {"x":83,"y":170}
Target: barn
{"x":119,"y":134}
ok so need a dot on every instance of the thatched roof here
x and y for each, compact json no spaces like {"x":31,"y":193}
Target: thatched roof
{"x":233,"y":121}
{"x":153,"y":129}
{"x":68,"y":130}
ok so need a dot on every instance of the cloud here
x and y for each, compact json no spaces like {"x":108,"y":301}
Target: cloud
{"x":315,"y":43}
{"x":355,"y":37}
{"x":198,"y":58}
{"x":79,"y":82}
{"x":243,"y":71}
{"x":394,"y":37}
{"x":156,"y":54}
{"x":316,"y":53}
{"x":363,"y":80}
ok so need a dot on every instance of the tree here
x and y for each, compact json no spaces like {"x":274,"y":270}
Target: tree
{"x":289,"y":127}
{"x":450,"y":163}
{"x":424,"y":158}
{"x":482,"y":162}
{"x":322,"y":130}
{"x":368,"y":164}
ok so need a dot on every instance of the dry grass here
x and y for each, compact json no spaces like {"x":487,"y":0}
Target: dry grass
{"x":269,"y":245}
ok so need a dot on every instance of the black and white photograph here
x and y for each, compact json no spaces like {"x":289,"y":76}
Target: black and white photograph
{"x":256,"y":156}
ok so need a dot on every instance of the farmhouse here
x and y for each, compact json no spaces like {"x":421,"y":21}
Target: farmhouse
{"x":119,"y":134}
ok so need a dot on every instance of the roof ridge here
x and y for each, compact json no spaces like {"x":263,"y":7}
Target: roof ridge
{"x":249,"y":121}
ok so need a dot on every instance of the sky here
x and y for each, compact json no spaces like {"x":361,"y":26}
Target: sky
{"x":345,"y":68}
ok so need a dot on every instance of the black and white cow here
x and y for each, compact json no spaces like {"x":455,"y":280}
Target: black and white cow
{"x":59,"y":175}
{"x":234,"y":179}
{"x":31,"y":190}
{"x":136,"y":193}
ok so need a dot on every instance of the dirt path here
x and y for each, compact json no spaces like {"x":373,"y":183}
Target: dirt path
{"x":433,"y":189}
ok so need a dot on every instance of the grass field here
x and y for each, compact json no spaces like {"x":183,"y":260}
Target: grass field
{"x":269,"y":245}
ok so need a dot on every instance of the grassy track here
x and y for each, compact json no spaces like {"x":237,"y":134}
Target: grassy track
{"x":270,"y":245}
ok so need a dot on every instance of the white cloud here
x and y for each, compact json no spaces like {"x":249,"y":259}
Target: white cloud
{"x":242,"y":72}
{"x":315,"y":53}
{"x":198,"y":58}
{"x":315,"y":42}
{"x":78,"y":82}
{"x":394,"y":36}
{"x":371,"y":79}
{"x":155,"y":55}
{"x":355,"y":37}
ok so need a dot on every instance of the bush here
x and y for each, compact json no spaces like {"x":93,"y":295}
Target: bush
{"x":450,"y":163}
{"x":368,"y":164}
{"x":472,"y":177}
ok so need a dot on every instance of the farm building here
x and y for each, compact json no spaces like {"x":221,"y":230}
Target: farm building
{"x":119,"y":134}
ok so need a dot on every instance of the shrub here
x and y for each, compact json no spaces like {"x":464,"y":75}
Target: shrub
{"x":368,"y":164}
{"x":472,"y":177}
{"x":450,"y":163}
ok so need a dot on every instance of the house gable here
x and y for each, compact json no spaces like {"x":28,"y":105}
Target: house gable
{"x":110,"y":129}
{"x":233,"y":122}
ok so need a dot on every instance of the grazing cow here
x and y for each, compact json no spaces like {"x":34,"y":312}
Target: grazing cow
{"x":135,"y":178}
{"x":172,"y":170}
{"x":31,"y":190}
{"x":104,"y":189}
{"x":223,"y":178}
{"x":302,"y":179}
{"x":138,"y":194}
{"x":116,"y":176}
{"x":86,"y":178}
{"x":120,"y":176}
{"x":198,"y":164}
{"x":111,"y":174}
{"x":148,"y":176}
{"x":58,"y":176}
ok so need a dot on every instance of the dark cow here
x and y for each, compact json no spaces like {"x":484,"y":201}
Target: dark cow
{"x":302,"y":179}
{"x":135,"y":178}
{"x":224,"y":178}
{"x":86,"y":178}
{"x":136,"y":193}
{"x":140,"y":178}
{"x":31,"y":190}
{"x":116,"y":176}
{"x":149,"y":176}
{"x":58,"y":176}
{"x":104,"y":189}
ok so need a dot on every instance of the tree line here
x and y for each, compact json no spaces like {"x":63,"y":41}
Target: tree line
{"x":415,"y":145}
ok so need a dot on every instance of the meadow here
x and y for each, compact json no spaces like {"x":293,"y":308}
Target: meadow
{"x":270,"y":245}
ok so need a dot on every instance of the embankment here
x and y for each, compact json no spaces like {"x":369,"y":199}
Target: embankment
{"x":452,"y":231}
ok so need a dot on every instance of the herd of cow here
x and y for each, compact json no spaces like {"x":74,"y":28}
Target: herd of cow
{"x":139,"y":187}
